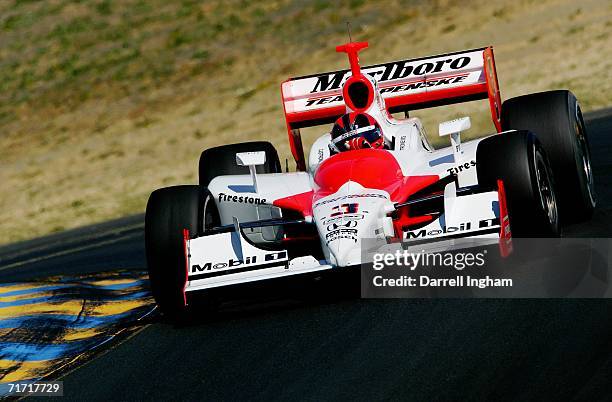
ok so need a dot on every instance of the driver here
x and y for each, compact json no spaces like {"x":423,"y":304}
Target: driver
{"x":356,"y":131}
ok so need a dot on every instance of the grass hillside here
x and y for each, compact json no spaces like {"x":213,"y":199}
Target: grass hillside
{"x":103,"y":101}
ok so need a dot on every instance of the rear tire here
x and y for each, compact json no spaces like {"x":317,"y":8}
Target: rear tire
{"x":556,"y":119}
{"x":527,"y":179}
{"x":219,"y":161}
{"x":169,"y":211}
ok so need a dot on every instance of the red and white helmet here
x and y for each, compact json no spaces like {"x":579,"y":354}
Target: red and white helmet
{"x":356,"y":131}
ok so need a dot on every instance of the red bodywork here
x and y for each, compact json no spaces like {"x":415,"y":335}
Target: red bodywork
{"x":185,"y":240}
{"x":505,"y":235}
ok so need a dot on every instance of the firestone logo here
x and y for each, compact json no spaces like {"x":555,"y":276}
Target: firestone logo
{"x":241,"y":199}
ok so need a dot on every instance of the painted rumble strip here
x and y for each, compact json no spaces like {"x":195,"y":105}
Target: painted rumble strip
{"x":48,"y":325}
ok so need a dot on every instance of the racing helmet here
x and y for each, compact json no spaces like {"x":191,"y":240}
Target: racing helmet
{"x":356,"y":131}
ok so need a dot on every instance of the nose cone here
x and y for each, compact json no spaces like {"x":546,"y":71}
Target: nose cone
{"x":346,"y":217}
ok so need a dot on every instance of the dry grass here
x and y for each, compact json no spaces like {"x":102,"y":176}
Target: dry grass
{"x":102,"y":101}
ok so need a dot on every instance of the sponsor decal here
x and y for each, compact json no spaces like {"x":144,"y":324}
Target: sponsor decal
{"x":339,"y":225}
{"x":235,"y":263}
{"x":324,"y":100}
{"x":244,"y":199}
{"x":368,"y":195}
{"x":393,"y":71}
{"x":338,"y":234}
{"x":355,"y":217}
{"x":321,"y":155}
{"x":463,"y":227}
{"x":436,"y":232}
{"x":463,"y":167}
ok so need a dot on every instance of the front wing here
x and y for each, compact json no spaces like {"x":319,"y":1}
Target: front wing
{"x":230,"y":258}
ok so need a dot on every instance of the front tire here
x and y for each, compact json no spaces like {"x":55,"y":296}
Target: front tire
{"x":518,"y":159}
{"x":169,"y":211}
{"x":556,"y":119}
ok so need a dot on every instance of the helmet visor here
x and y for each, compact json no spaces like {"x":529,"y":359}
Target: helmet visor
{"x":372,"y":134}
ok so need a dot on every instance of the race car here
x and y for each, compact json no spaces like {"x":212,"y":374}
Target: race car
{"x":370,"y":176}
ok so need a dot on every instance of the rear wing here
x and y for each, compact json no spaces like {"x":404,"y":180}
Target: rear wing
{"x":404,"y":85}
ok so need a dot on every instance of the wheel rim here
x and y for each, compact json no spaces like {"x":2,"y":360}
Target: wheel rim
{"x":547,"y":191}
{"x":585,"y":154}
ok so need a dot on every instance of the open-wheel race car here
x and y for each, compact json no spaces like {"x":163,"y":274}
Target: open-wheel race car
{"x":371,"y":176}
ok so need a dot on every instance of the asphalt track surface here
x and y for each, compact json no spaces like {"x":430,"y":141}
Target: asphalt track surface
{"x":293,"y":347}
